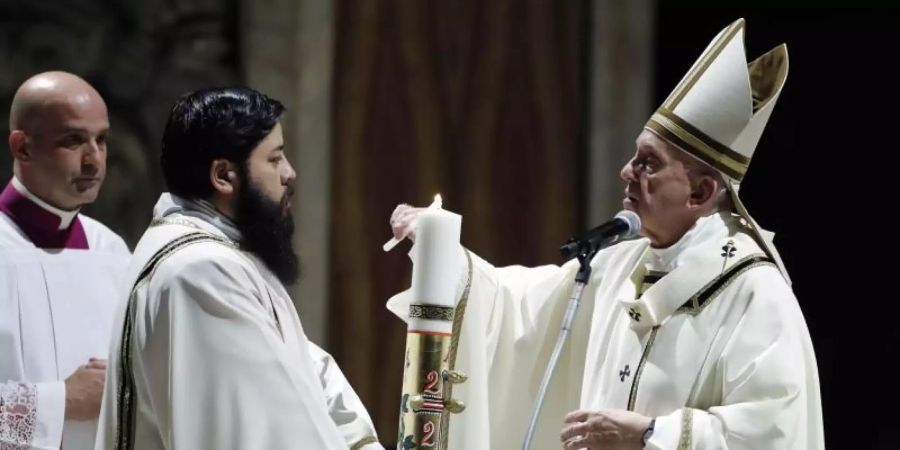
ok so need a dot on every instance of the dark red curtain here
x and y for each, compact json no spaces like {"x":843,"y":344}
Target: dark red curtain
{"x":483,"y":102}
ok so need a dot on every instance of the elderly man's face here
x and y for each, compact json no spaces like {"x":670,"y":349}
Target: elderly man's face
{"x":658,"y":189}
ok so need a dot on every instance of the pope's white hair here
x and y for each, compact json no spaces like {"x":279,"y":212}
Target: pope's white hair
{"x":697,"y":168}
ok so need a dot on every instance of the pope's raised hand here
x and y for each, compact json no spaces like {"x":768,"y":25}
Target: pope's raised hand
{"x":403,"y":221}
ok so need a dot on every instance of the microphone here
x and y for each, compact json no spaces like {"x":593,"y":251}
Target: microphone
{"x":624,"y":225}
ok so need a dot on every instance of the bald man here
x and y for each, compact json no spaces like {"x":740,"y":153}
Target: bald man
{"x":60,"y":271}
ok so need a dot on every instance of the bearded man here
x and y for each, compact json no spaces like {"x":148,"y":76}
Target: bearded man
{"x":210,"y":351}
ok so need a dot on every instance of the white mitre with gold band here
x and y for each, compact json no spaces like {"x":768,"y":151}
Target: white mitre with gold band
{"x":718,"y":111}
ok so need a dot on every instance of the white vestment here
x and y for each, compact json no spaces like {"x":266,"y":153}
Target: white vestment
{"x":56,"y":312}
{"x":218,"y":355}
{"x":732,"y":367}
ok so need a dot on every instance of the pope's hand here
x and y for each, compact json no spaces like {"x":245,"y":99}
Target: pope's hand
{"x":609,"y":429}
{"x":402,"y":221}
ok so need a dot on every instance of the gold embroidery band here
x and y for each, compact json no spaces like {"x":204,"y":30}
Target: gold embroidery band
{"x":720,"y":148}
{"x":454,"y":340}
{"x":712,"y":289}
{"x":364,"y":442}
{"x":687,"y":428}
{"x":632,"y":396}
{"x":673,"y":129}
{"x":125,"y":388}
{"x":431,"y":312}
{"x":700,"y":68}
{"x":460,"y":312}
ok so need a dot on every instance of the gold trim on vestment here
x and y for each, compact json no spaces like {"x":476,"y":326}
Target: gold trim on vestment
{"x":637,"y":375}
{"x":687,"y":429}
{"x":698,"y":302}
{"x":364,"y":442}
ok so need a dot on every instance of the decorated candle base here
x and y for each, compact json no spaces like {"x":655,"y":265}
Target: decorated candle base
{"x":424,"y":400}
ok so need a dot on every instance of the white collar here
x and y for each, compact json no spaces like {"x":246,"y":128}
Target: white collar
{"x":669,"y":258}
{"x":169,"y":204}
{"x":65,"y":217}
{"x":715,"y":244}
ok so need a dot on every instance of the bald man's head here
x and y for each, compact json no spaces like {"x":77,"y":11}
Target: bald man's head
{"x":58,"y":125}
{"x":45,"y":90}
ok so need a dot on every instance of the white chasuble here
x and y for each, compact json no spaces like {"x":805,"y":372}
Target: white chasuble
{"x":210,"y":353}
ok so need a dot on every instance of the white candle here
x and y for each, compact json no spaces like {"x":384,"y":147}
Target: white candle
{"x":436,"y":270}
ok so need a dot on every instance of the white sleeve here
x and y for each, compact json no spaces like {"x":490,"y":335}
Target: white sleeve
{"x":521,"y":294}
{"x":344,"y":406}
{"x":32,"y":414}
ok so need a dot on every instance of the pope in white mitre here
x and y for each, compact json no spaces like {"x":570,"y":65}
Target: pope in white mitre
{"x":208,"y":351}
{"x":687,"y":338}
{"x":61,"y":272}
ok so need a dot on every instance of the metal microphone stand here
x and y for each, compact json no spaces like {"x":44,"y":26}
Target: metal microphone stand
{"x":585,"y":253}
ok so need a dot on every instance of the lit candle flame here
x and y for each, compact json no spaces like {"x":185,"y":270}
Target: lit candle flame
{"x":438,"y":202}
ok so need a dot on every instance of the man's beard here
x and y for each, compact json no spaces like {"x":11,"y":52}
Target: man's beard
{"x":267,"y":227}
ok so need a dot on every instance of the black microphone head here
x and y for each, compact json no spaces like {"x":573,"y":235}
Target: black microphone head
{"x":569,"y":249}
{"x":633,"y":221}
{"x":625,"y":225}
